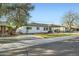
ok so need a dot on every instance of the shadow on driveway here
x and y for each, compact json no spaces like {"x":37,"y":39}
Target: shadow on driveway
{"x":55,"y":49}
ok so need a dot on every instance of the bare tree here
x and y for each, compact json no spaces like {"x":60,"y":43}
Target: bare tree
{"x":70,"y":19}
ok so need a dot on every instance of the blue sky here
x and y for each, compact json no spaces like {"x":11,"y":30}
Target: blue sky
{"x":51,"y":12}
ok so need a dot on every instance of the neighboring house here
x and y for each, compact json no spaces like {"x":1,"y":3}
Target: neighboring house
{"x":73,"y":28}
{"x":40,"y":28}
{"x":4,"y":29}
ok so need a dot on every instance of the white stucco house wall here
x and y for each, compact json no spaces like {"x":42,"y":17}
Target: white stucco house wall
{"x":58,"y":27}
{"x":38,"y":28}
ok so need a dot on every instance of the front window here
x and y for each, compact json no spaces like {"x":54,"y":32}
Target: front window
{"x":29,"y":28}
{"x":37,"y":28}
{"x":45,"y":28}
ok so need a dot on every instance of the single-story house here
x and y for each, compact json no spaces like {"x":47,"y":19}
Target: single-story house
{"x":40,"y":28}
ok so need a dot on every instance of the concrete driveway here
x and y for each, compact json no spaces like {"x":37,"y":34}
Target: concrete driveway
{"x":51,"y":46}
{"x":55,"y":49}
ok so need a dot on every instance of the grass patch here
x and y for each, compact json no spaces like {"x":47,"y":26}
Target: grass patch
{"x":54,"y":35}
